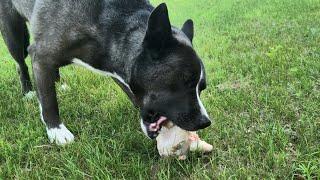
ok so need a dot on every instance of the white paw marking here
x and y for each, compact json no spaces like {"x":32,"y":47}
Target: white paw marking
{"x":30,"y":95}
{"x":61,"y":135}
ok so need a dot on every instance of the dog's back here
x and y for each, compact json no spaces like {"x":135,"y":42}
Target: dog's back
{"x":72,"y":17}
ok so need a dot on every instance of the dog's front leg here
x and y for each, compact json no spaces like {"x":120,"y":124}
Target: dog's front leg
{"x":45,"y":77}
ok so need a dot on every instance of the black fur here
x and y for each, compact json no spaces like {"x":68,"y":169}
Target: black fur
{"x":159,"y":68}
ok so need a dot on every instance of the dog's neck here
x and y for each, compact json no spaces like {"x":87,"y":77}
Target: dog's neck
{"x":125,"y":45}
{"x":120,"y":47}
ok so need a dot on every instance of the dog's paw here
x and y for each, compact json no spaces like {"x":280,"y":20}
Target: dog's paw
{"x":60,"y":135}
{"x":30,"y":95}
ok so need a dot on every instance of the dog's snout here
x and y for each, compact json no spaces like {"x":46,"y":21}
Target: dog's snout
{"x":204,"y":122}
{"x":149,"y":115}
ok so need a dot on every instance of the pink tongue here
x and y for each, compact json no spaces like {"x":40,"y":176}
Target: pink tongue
{"x":156,"y":126}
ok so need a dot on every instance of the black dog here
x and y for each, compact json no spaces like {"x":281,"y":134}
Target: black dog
{"x":153,"y":62}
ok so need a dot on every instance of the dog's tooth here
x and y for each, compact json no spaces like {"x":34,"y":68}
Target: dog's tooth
{"x":153,"y":129}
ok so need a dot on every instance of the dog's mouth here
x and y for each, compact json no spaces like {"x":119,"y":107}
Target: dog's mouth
{"x":156,"y":126}
{"x":152,"y":129}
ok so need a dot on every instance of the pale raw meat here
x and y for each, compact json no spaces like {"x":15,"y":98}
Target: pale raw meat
{"x":174,"y":141}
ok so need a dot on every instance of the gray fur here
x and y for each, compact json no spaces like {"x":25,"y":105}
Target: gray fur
{"x":128,"y":38}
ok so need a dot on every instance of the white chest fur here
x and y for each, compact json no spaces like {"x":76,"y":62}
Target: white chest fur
{"x":104,"y":73}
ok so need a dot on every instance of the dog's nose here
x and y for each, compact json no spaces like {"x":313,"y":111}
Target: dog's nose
{"x":204,"y":122}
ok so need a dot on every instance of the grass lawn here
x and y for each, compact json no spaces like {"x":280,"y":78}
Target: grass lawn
{"x":263,"y":66}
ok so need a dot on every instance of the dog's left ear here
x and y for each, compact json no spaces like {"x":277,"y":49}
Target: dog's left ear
{"x":188,"y":29}
{"x":159,"y":28}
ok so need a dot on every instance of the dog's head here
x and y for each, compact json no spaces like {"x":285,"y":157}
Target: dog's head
{"x":169,"y":76}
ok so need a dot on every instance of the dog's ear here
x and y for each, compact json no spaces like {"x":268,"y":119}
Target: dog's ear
{"x":188,"y":29}
{"x":159,"y":28}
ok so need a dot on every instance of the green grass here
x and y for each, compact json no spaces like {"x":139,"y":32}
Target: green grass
{"x":263,"y":65}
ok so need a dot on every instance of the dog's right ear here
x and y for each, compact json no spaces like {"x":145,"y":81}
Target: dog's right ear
{"x":159,"y":28}
{"x":188,"y":29}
